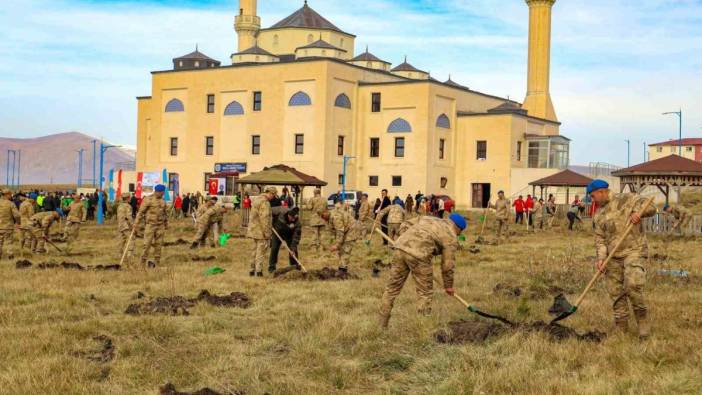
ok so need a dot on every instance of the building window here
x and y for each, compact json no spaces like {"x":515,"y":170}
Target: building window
{"x":481,"y":153}
{"x":342,"y":101}
{"x":519,"y":151}
{"x":373,"y":181}
{"x":173,"y":182}
{"x":299,"y":144}
{"x":275,"y":40}
{"x":374,"y":147}
{"x":175,"y":105}
{"x":174,"y":146}
{"x":442,"y":144}
{"x":659,"y":149}
{"x":341,"y":179}
{"x":397,"y":181}
{"x":300,"y":99}
{"x":375,"y":102}
{"x":207,"y":181}
{"x":255,"y":145}
{"x":340,"y":146}
{"x":233,"y":108}
{"x":399,"y":147}
{"x":210,"y":104}
{"x":197,"y":63}
{"x":443,"y":122}
{"x":399,"y":126}
{"x":209,"y":145}
{"x":310,"y":38}
{"x":673,"y":148}
{"x":688,"y":149}
{"x":444,"y":181}
{"x":257,"y":100}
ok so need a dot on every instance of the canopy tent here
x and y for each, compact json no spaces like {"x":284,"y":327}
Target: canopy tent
{"x":663,"y":173}
{"x":282,"y":175}
{"x":565,"y":178}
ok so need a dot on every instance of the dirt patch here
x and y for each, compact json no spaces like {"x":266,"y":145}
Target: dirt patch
{"x":107,"y":267}
{"x":459,"y":332}
{"x":104,"y":354}
{"x":179,"y":305}
{"x":474,"y":249}
{"x":203,"y":258}
{"x":170,"y":389}
{"x":24,"y":264}
{"x":507,"y":290}
{"x":323,"y":274}
{"x":486,"y":242}
{"x":178,"y":242}
{"x":660,"y":257}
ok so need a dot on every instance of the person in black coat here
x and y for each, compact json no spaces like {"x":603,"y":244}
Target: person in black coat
{"x":384,"y":202}
{"x":287,"y":223}
{"x":186,"y":205}
{"x":134,"y":202}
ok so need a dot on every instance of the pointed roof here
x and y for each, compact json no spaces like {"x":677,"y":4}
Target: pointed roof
{"x":404,"y":66}
{"x":281,"y":175}
{"x":451,"y":82}
{"x":676,"y":142}
{"x":367,"y":57}
{"x":508,"y":107}
{"x":255,"y":50}
{"x":322,"y":44}
{"x":196,"y":55}
{"x":306,"y":17}
{"x":565,"y":178}
{"x":669,"y":165}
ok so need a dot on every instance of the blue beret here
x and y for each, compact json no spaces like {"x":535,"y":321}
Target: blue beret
{"x":459,"y":221}
{"x":666,"y":207}
{"x":596,"y":185}
{"x":160,"y":188}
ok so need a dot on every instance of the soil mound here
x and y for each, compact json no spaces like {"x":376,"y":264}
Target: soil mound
{"x":474,"y":249}
{"x":459,"y":332}
{"x":178,"y":242}
{"x":170,"y":389}
{"x":234,"y":299}
{"x":179,"y":305}
{"x":203,"y":258}
{"x":323,"y":274}
{"x":507,"y":290}
{"x":23,"y":264}
{"x":105,"y":354}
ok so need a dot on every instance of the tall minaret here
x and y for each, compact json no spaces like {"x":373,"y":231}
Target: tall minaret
{"x":247,"y":24}
{"x":538,"y":99}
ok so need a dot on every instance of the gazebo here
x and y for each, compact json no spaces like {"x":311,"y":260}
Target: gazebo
{"x":663,"y":173}
{"x":282,"y":175}
{"x":566,"y":178}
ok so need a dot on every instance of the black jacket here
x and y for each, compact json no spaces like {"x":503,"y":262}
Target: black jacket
{"x":291,"y":232}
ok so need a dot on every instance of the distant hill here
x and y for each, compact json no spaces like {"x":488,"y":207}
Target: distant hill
{"x":53,"y":159}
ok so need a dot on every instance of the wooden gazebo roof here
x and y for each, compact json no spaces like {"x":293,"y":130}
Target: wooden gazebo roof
{"x":281,"y":175}
{"x":670,"y":170}
{"x":565,"y":178}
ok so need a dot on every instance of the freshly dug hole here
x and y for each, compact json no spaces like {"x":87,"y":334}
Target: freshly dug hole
{"x":179,"y":305}
{"x":324,"y":274}
{"x":459,"y":332}
{"x":170,"y":389}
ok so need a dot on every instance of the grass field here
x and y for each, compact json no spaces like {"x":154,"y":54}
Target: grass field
{"x":313,"y":337}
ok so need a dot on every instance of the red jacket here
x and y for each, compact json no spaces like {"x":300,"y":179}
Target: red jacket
{"x":529,"y":203}
{"x":178,"y":203}
{"x":519,"y":205}
{"x":247,"y":203}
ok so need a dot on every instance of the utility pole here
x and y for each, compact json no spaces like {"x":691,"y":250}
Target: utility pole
{"x":645,"y":150}
{"x":19,"y":167}
{"x":628,"y":153}
{"x":343,"y":184}
{"x":94,"y":157}
{"x":100,"y":212}
{"x":679,"y":114}
{"x":80,"y":167}
{"x":10,"y":180}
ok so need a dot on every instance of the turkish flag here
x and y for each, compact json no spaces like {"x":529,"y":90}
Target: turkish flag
{"x":214,"y":186}
{"x":119,"y":185}
{"x":140,"y":179}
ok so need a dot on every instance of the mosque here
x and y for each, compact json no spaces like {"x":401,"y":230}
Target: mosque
{"x":300,"y":93}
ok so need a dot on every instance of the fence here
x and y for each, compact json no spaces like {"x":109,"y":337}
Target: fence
{"x":663,"y":223}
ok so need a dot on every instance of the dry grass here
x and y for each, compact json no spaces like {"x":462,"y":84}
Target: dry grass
{"x":322,"y":337}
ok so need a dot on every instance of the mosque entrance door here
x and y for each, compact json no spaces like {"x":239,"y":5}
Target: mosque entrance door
{"x":480,"y":195}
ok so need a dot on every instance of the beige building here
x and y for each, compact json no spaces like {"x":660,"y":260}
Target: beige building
{"x":691,"y":149}
{"x":297,"y":94}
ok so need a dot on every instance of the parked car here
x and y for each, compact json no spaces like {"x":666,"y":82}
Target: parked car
{"x":352,"y":198}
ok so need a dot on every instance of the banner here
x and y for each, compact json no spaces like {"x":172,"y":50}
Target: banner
{"x":110,"y":188}
{"x":236,"y":167}
{"x":119,"y":184}
{"x":151,"y":179}
{"x":139,"y":185}
{"x":213,"y":186}
{"x":166,"y":196}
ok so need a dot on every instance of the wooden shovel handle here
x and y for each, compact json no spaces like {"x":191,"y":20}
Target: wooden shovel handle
{"x":289,"y":251}
{"x":126,"y":246}
{"x":597,"y":275}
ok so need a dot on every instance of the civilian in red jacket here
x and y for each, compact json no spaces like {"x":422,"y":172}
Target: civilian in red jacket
{"x":178,"y":206}
{"x":519,"y":206}
{"x":529,"y":209}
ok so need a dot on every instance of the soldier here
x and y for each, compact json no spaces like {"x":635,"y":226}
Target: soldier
{"x":347,"y":231}
{"x":125,"y":225}
{"x":217,"y":225}
{"x":365,"y":215}
{"x":538,"y":215}
{"x":9,"y":219}
{"x":287,"y":224}
{"x":414,"y":251}
{"x":77,"y":214}
{"x":625,"y":274}
{"x":41,"y":225}
{"x":318,"y":206}
{"x":259,"y":229}
{"x":205,"y":219}
{"x":26,"y":210}
{"x":682,"y":217}
{"x":501,"y":207}
{"x":395,"y":214}
{"x":154,"y":213}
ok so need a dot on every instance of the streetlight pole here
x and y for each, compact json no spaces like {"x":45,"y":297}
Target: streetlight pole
{"x":645,"y":150}
{"x":19,"y":167}
{"x":94,"y":157}
{"x":628,"y":153}
{"x":80,"y":167}
{"x":343,"y":183}
{"x":100,"y":212}
{"x":679,"y":114}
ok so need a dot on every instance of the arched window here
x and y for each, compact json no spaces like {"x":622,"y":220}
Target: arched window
{"x":310,"y":38}
{"x":399,"y":126}
{"x":234,"y":108}
{"x":443,"y":122}
{"x":175,"y":105}
{"x":275,"y":40}
{"x":342,"y":101}
{"x":300,"y":99}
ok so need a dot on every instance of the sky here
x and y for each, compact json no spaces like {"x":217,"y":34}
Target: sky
{"x":77,"y":65}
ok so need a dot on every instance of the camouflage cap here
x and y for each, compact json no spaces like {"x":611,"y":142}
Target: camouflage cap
{"x":272,"y":190}
{"x":126,"y":195}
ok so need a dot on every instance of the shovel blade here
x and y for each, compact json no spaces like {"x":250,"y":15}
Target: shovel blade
{"x":560,"y":305}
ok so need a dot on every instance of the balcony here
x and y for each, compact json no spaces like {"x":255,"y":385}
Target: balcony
{"x":548,"y":152}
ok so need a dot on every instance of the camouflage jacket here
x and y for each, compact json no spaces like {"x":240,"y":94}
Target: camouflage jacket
{"x":153,"y":212}
{"x":260,"y":219}
{"x":431,"y":237}
{"x":208,"y":217}
{"x":408,"y":224}
{"x":365,"y":212}
{"x":502,"y":207}
{"x":9,"y":215}
{"x":610,"y":221}
{"x":26,"y":210}
{"x":318,"y":206}
{"x":77,"y":212}
{"x":538,"y":210}
{"x":124,"y":217}
{"x":680,"y":214}
{"x":200,"y":211}
{"x":43,"y":220}
{"x":395,"y":213}
{"x":345,"y":226}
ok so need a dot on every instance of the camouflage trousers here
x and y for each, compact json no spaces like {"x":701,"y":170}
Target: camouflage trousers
{"x":70,"y":234}
{"x":6,"y":236}
{"x":25,"y":237}
{"x":317,"y":232}
{"x":366,"y":227}
{"x":538,"y":222}
{"x":344,"y":254}
{"x":153,"y":239}
{"x":393,"y":231}
{"x":39,"y":236}
{"x":502,"y":227}
{"x":626,"y":278}
{"x":124,"y":236}
{"x":260,"y":249}
{"x":204,"y":235}
{"x":422,"y":273}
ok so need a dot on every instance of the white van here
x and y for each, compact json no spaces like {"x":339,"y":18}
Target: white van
{"x":352,"y":198}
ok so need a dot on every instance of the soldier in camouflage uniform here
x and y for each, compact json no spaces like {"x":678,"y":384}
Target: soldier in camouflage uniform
{"x":347,"y":230}
{"x":9,"y":219}
{"x":625,"y":273}
{"x":682,"y":217}
{"x":395,"y":214}
{"x":365,"y":216}
{"x":538,"y":215}
{"x":260,"y":228}
{"x":501,"y":207}
{"x":26,"y":210}
{"x":125,"y":226}
{"x":206,"y":218}
{"x":414,"y":251}
{"x":76,"y":216}
{"x":41,"y":225}
{"x":217,"y":225}
{"x":153,"y":212}
{"x":318,"y":206}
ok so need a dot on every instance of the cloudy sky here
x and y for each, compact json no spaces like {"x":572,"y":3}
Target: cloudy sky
{"x":617,"y":64}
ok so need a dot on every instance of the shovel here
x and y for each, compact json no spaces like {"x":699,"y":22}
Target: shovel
{"x":289,"y":250}
{"x":469,"y":306}
{"x":561,"y":306}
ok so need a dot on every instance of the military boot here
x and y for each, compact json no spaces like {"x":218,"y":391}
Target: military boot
{"x":384,"y":320}
{"x":621,"y":325}
{"x":643,"y":324}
